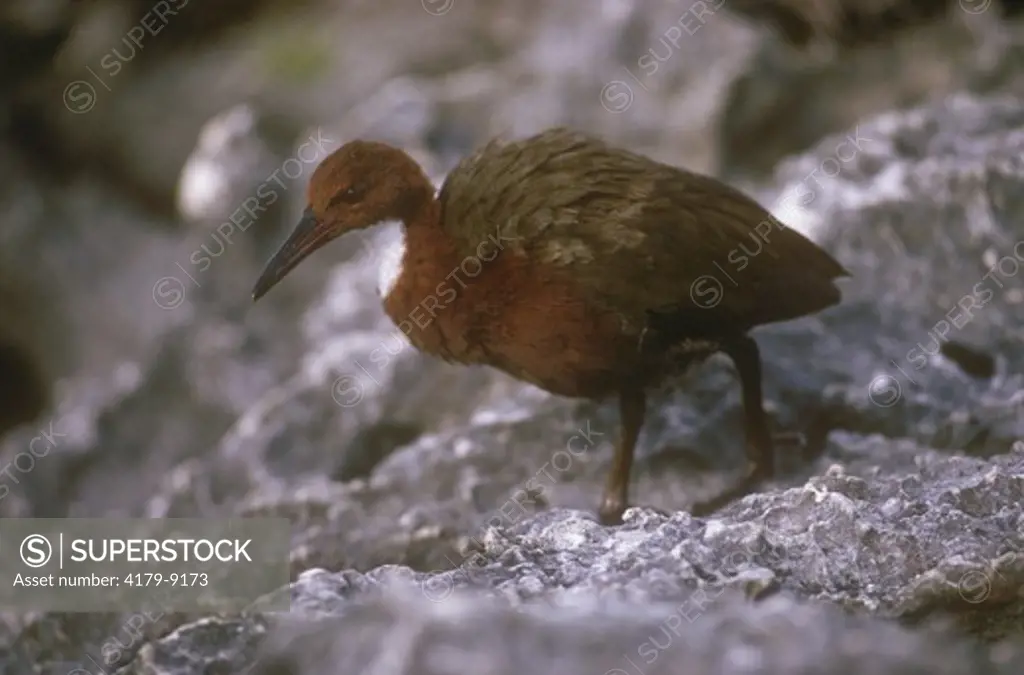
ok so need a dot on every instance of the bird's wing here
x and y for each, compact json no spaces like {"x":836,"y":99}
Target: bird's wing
{"x":642,"y":238}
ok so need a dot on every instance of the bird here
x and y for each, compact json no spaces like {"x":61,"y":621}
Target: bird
{"x":588,"y":270}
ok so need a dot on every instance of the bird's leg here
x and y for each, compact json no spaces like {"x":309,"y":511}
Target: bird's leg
{"x":760,"y":450}
{"x":632,"y":407}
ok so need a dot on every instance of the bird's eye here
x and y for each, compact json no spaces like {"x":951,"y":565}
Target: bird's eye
{"x":349,"y":195}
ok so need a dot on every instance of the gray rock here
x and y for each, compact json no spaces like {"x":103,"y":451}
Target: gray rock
{"x":409,"y":635}
{"x":557,"y":592}
{"x":847,"y":22}
{"x":768,"y":114}
{"x":955,"y":166}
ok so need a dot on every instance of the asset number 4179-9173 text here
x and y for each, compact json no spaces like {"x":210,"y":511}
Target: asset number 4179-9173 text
{"x":158,"y":579}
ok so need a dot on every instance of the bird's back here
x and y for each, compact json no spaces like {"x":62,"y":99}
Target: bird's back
{"x":638,"y":236}
{"x":534,"y":184}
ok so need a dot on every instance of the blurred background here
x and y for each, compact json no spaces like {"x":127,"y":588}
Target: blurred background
{"x":153,"y":154}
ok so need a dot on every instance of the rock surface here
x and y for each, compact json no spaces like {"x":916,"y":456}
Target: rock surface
{"x":931,"y":535}
{"x":408,"y":479}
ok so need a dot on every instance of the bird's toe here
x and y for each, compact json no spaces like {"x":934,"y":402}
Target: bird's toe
{"x":611,"y":512}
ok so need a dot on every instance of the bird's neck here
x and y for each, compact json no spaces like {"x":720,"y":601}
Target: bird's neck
{"x":421,"y":228}
{"x":423,"y":252}
{"x":425,"y":214}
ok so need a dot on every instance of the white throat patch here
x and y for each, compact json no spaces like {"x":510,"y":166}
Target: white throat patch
{"x":391,"y":258}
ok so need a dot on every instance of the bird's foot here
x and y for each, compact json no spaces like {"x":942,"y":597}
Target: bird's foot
{"x":611,"y":511}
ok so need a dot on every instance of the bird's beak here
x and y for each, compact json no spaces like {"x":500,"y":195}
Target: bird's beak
{"x":309,"y":235}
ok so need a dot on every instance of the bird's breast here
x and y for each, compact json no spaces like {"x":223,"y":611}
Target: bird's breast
{"x":425,"y":297}
{"x":392,"y":256}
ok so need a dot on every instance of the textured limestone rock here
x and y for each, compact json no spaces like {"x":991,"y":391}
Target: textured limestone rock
{"x":556,"y":592}
{"x":405,"y":634}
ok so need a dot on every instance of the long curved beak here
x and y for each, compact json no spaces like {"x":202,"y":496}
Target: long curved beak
{"x":308,"y":236}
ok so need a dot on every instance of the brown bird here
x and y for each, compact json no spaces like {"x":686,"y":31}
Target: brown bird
{"x":586,"y":270}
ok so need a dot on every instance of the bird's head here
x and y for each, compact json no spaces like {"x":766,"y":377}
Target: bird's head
{"x":360,"y":184}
